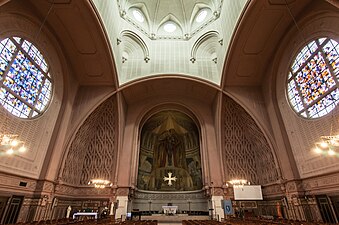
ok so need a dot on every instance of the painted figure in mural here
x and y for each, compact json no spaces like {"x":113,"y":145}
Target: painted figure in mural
{"x":170,"y":138}
{"x":170,"y":151}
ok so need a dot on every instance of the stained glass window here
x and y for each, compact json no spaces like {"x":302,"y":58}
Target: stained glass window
{"x":313,"y":79}
{"x":25,"y":81}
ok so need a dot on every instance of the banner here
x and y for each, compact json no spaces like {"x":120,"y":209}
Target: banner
{"x":228,"y":207}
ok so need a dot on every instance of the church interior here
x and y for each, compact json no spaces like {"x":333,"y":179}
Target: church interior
{"x":137,"y":109}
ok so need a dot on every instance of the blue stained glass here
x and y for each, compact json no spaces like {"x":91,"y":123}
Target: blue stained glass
{"x":330,"y":49}
{"x":321,"y":40}
{"x":24,"y":78}
{"x":3,"y":92}
{"x":289,"y":75}
{"x":26,"y":110}
{"x":313,"y":46}
{"x":302,"y":57}
{"x":314,"y":79}
{"x":294,"y":96}
{"x":17,"y":39}
{"x":1,"y":47}
{"x":10,"y":46}
{"x":3,"y":65}
{"x":323,"y":107}
{"x":335,"y":96}
{"x":15,"y":112}
{"x":26,"y":45}
{"x":44,"y":67}
{"x":39,"y":105}
{"x":32,"y":51}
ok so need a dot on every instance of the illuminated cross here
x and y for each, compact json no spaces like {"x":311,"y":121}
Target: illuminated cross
{"x":170,"y":178}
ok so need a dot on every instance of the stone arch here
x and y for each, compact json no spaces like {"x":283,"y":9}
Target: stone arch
{"x":93,"y":151}
{"x":246,"y":152}
{"x":206,"y":47}
{"x":133,"y":46}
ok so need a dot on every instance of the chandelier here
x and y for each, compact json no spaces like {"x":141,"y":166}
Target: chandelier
{"x":9,"y":143}
{"x":329,"y":145}
{"x":100,"y":183}
{"x":238,"y":183}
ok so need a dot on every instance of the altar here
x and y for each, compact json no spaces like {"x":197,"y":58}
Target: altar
{"x":170,"y":210}
{"x":90,"y":214}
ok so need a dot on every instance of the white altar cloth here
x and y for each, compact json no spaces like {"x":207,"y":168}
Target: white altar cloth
{"x":170,"y":209}
{"x":95,"y":214}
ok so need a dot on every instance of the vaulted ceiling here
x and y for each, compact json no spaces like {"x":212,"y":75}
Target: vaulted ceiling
{"x":183,"y":18}
{"x":107,"y":45}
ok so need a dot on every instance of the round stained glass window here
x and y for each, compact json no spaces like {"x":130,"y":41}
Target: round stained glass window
{"x":25,"y":81}
{"x":313,"y":79}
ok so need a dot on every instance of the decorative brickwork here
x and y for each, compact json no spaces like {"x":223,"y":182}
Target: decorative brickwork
{"x":92,"y":154}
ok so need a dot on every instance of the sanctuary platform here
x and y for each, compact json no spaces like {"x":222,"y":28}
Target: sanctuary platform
{"x":173,"y":219}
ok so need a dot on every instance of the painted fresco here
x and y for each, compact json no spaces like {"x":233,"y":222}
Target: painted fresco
{"x":169,"y":158}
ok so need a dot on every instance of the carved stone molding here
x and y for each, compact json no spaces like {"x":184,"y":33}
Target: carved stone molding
{"x":45,"y":186}
{"x":12,"y":183}
{"x":122,"y":191}
{"x":166,"y":196}
{"x":92,"y":154}
{"x":321,"y":184}
{"x":272,"y":190}
{"x":65,"y":190}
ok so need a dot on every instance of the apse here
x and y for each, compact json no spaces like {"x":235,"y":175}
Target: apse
{"x":169,"y":158}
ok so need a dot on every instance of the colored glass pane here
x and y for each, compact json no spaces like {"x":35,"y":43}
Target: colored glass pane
{"x":26,"y":86}
{"x":312,"y":86}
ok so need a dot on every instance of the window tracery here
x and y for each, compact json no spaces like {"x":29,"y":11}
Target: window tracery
{"x":313,"y":79}
{"x":25,"y":81}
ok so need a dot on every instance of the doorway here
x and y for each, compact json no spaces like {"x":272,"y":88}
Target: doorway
{"x":12,"y":212}
{"x":326,"y":210}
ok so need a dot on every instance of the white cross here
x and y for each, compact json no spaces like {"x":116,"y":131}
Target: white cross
{"x":170,"y":178}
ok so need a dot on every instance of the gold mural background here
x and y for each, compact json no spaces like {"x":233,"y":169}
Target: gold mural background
{"x":169,"y":144}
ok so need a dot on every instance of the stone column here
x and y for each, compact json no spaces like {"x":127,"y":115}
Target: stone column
{"x":218,"y":212}
{"x":121,"y":211}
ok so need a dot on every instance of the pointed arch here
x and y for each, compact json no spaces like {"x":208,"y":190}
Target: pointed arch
{"x":209,"y":39}
{"x":135,"y":42}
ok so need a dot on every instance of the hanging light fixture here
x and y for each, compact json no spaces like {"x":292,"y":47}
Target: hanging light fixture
{"x":237,"y":183}
{"x":9,"y":142}
{"x":100,"y":183}
{"x":329,"y":145}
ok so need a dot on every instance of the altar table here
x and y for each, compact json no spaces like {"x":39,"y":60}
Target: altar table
{"x":95,"y":214}
{"x":170,"y":209}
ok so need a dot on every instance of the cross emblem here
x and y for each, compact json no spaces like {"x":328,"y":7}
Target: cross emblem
{"x":170,"y":178}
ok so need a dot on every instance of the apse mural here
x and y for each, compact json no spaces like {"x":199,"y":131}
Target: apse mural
{"x":169,"y":158}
